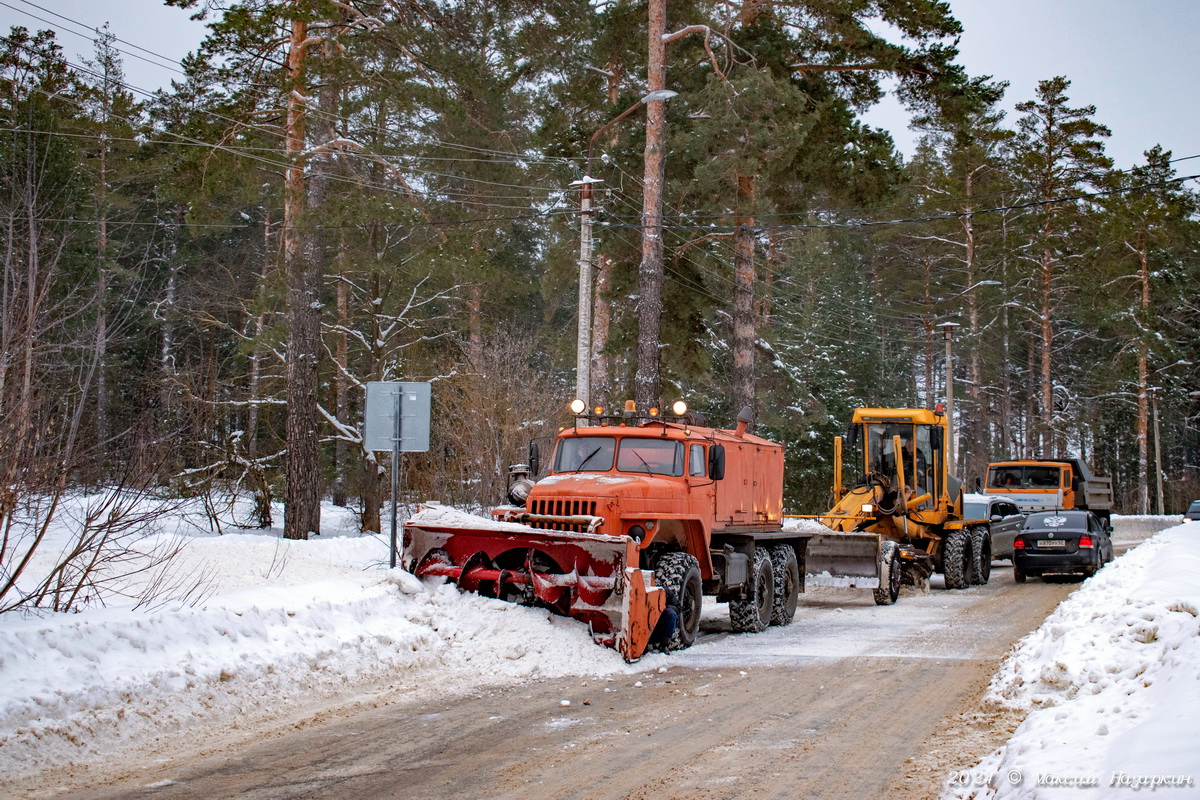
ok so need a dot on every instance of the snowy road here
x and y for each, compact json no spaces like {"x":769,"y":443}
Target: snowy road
{"x":846,"y":702}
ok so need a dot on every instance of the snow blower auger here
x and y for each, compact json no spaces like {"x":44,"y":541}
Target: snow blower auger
{"x":576,"y":574}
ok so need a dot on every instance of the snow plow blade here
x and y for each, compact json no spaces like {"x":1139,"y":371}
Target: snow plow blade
{"x":585,"y":576}
{"x":843,"y":560}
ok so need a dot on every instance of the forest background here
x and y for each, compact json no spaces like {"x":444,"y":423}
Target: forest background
{"x":198,"y":284}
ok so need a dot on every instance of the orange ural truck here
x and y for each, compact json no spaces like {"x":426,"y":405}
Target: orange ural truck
{"x":640,"y":515}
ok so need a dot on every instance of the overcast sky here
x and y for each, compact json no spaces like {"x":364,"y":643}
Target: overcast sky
{"x":1137,"y":61}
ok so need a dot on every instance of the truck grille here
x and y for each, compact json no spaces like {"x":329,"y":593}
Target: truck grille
{"x":577,"y":516}
{"x":564,"y":508}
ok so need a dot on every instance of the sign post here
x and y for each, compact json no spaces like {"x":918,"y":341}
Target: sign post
{"x":397,"y":419}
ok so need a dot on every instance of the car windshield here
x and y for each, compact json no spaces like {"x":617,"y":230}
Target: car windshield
{"x":585,"y":454}
{"x":1194,"y":508}
{"x":1063,"y":522}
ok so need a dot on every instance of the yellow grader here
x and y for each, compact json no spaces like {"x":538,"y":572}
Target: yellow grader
{"x":901,"y":519}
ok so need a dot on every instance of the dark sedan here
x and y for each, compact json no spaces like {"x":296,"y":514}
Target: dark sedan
{"x":1193,"y":511}
{"x":1061,"y":543}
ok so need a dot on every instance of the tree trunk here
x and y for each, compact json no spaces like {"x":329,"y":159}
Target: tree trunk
{"x":1046,"y":330}
{"x":340,"y":387}
{"x":302,"y":267}
{"x":743,"y":390}
{"x":648,"y":377}
{"x":601,"y":318}
{"x":1143,"y":403}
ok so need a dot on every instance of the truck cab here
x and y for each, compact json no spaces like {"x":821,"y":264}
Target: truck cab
{"x":1047,"y":484}
{"x":664,"y":484}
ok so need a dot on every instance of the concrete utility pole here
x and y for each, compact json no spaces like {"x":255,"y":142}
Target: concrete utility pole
{"x":583,"y":354}
{"x":648,"y":378}
{"x":951,"y":456}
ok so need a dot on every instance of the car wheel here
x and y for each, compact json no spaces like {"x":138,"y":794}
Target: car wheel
{"x":1018,"y":575}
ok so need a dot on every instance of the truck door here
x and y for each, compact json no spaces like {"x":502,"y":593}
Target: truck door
{"x":1068,"y":487}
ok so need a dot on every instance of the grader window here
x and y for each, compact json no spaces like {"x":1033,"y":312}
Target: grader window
{"x":916,"y":443}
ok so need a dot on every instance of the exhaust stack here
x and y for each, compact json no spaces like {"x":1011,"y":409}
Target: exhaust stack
{"x":744,"y":417}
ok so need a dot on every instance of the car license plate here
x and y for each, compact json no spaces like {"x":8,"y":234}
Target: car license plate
{"x":1051,"y":543}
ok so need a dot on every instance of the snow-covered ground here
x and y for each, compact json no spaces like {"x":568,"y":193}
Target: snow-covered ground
{"x":1111,"y":683}
{"x":280,"y":629}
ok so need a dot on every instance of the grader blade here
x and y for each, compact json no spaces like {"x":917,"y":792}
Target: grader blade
{"x":843,"y":560}
{"x":585,"y":576}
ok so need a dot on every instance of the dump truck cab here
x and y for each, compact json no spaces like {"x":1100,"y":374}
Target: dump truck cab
{"x":1047,"y":484}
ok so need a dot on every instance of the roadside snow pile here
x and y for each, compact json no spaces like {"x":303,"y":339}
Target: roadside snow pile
{"x":1111,"y":680}
{"x":285,"y":627}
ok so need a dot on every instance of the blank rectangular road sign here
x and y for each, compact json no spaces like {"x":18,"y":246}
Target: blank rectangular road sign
{"x":414,"y":402}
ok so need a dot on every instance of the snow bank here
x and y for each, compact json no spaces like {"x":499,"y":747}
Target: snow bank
{"x":286,"y":627}
{"x":1111,"y":682}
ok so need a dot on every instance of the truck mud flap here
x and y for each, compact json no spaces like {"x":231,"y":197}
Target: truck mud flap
{"x":842,"y":560}
{"x":585,"y":576}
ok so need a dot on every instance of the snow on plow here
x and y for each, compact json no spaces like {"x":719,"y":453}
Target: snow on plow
{"x":574,"y":573}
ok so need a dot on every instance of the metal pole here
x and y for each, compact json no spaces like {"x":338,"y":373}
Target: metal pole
{"x":1157,"y":448}
{"x":397,"y":429}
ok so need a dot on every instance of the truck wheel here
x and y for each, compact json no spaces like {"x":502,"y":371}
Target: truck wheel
{"x":889,"y":574}
{"x":679,"y":576}
{"x":956,"y":559}
{"x":753,"y":614}
{"x":981,"y":556}
{"x":786,"y":571}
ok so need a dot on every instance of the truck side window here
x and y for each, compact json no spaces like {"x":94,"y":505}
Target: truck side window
{"x":696,"y":461}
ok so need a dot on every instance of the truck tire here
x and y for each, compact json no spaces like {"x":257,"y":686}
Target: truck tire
{"x":981,"y":555}
{"x":679,"y":576}
{"x":786,"y":570}
{"x":956,"y":559}
{"x":753,"y":614}
{"x":889,"y":574}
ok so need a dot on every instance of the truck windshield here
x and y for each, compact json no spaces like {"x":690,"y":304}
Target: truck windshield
{"x":1024,"y":477}
{"x":655,"y":456}
{"x":585,"y":454}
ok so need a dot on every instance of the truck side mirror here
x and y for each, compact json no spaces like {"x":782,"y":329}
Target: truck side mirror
{"x":716,"y":462}
{"x":935,"y":438}
{"x":535,"y":463}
